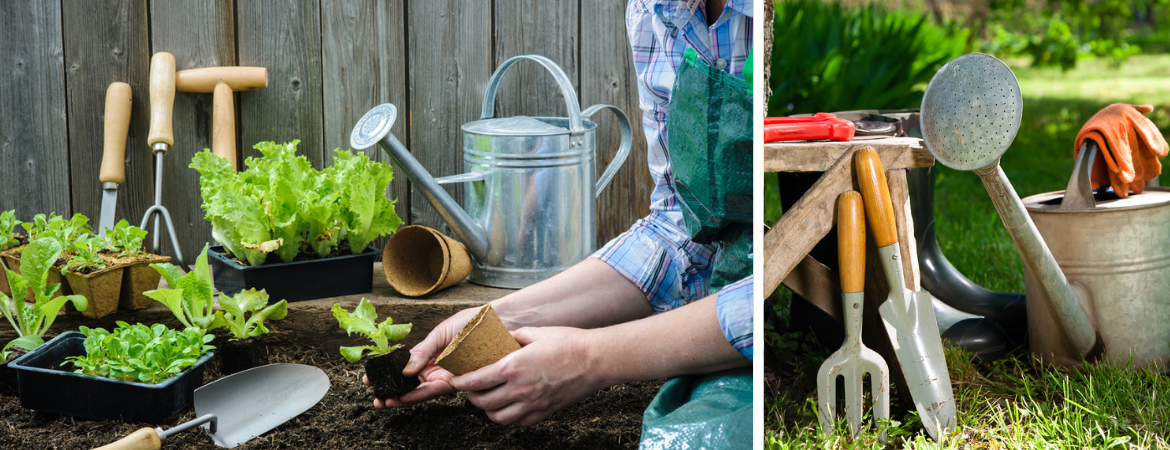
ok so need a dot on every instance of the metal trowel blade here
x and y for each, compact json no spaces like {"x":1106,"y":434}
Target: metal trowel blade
{"x":249,"y":403}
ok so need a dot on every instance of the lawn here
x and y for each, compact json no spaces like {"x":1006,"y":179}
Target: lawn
{"x":1016,"y":403}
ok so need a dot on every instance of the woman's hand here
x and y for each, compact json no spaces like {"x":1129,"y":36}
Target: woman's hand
{"x":550,"y":371}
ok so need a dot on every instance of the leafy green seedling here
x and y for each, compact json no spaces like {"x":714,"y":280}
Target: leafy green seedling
{"x":127,"y":239}
{"x":190,"y":296}
{"x":8,"y":225}
{"x":32,"y":321}
{"x":250,"y":303}
{"x":84,"y":257}
{"x":56,"y":227}
{"x":362,"y":321}
{"x":140,"y":353}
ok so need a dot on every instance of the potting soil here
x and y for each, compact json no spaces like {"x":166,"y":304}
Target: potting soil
{"x":346,"y":418}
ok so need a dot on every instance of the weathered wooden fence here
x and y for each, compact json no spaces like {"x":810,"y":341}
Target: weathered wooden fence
{"x":329,"y":61}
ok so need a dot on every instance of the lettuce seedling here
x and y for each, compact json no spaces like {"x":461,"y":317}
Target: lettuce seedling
{"x":140,"y":353}
{"x":32,"y":321}
{"x":56,"y":227}
{"x":8,"y":224}
{"x":127,"y":239}
{"x":191,"y":295}
{"x":250,"y":303}
{"x":362,"y":321}
{"x":84,"y":257}
{"x":365,"y":211}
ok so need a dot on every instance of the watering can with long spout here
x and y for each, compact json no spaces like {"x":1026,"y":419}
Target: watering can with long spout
{"x":529,"y":209}
{"x":1096,"y":267}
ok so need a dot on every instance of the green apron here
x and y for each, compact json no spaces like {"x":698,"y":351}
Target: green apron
{"x":709,"y":137}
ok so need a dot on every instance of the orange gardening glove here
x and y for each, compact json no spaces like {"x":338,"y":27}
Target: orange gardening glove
{"x":1130,"y":147}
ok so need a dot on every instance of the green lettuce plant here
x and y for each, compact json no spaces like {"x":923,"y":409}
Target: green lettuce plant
{"x":57,"y":228}
{"x":190,"y":296}
{"x":8,"y":224}
{"x":363,"y":320}
{"x":84,"y":254}
{"x":243,"y":315}
{"x":281,"y":205}
{"x":32,"y":321}
{"x":126,"y":239}
{"x":140,"y":353}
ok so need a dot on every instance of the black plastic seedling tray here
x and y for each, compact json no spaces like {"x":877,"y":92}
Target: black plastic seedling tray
{"x":45,"y":386}
{"x":297,"y":280}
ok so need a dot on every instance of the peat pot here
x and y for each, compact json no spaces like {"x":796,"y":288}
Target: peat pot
{"x":1116,"y":251}
{"x":529,"y":205}
{"x":45,"y":386}
{"x":298,"y":280}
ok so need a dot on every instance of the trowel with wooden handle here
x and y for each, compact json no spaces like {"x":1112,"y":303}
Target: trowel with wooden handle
{"x":908,"y":315}
{"x":241,"y":406}
{"x":113,"y":171}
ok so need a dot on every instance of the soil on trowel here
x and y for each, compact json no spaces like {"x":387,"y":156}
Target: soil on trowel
{"x":385,"y":373}
{"x":346,"y":418}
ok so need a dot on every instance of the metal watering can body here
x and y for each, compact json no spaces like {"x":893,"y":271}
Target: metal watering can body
{"x":1116,"y":252}
{"x":529,"y":206}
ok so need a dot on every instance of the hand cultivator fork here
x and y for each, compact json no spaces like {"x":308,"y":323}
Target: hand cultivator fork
{"x":853,"y":360}
{"x":161,"y":138}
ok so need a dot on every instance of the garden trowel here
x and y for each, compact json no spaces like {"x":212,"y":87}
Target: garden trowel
{"x":241,"y":406}
{"x":907,"y":315}
{"x":113,"y":171}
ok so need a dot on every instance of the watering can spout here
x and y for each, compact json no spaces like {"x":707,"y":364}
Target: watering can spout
{"x":374,"y":128}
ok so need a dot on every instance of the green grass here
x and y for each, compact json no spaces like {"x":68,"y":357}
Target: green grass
{"x":1018,"y":403}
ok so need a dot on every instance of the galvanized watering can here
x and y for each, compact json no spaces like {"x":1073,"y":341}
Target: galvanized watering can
{"x":1118,"y":251}
{"x":529,"y":210}
{"x":1096,"y":274}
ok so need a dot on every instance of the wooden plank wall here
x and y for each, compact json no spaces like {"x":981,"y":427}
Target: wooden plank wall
{"x":329,"y":62}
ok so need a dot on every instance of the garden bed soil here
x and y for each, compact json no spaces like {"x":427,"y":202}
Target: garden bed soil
{"x":346,"y":418}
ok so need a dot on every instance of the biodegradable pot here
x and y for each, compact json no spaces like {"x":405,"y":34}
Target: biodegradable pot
{"x":12,"y":258}
{"x":484,"y":340}
{"x":44,"y":386}
{"x":101,"y":289}
{"x":297,"y":280}
{"x":139,"y":277}
{"x":385,"y":374}
{"x":419,"y":261}
{"x":238,"y":356}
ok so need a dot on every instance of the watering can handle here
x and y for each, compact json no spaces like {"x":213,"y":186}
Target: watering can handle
{"x":623,"y":150}
{"x":1079,"y":193}
{"x":571,"y":103}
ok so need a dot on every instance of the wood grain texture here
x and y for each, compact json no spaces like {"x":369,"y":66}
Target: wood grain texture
{"x":107,"y":42}
{"x":542,"y":27}
{"x":817,"y":284}
{"x":34,"y":148}
{"x":450,"y":60}
{"x":198,"y":34}
{"x":285,"y":37}
{"x":367,"y":39}
{"x":607,"y":76}
{"x":817,"y":156}
{"x":809,"y":220}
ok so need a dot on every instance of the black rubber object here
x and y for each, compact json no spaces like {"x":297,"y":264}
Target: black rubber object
{"x":982,"y":337}
{"x":297,"y":280}
{"x":944,"y":281}
{"x":47,"y":386}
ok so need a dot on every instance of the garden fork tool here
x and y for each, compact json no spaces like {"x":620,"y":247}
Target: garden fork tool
{"x":161,"y":138}
{"x":908,"y":315}
{"x":241,"y":406}
{"x":853,"y":359}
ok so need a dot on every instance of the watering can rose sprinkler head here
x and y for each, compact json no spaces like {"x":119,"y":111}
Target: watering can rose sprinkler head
{"x":971,"y":112}
{"x":374,"y":128}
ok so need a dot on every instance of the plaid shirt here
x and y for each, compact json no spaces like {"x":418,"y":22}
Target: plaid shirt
{"x":656,"y":253}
